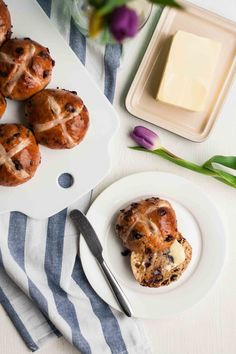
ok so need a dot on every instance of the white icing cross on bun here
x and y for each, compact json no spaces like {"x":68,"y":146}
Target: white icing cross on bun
{"x":6,"y":158}
{"x":19,"y":69}
{"x":60,"y":119}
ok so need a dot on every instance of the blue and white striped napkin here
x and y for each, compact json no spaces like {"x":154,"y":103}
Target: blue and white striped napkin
{"x":42,"y":284}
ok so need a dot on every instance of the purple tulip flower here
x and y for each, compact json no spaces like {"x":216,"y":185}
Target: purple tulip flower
{"x":146,"y":138}
{"x":123,"y":23}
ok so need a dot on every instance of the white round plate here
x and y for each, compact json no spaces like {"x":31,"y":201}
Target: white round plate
{"x":198,"y":220}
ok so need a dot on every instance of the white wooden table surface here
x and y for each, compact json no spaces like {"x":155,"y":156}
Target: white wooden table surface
{"x":210,"y":326}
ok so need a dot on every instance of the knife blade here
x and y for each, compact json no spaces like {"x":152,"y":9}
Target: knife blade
{"x":84,"y":227}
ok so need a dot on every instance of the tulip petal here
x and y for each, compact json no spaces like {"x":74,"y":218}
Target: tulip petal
{"x":123,"y":23}
{"x":141,"y":141}
{"x":146,"y":138}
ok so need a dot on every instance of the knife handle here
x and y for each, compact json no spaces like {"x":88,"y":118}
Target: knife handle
{"x":118,"y":292}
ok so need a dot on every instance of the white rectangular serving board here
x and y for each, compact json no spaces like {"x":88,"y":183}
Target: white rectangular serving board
{"x":89,"y":162}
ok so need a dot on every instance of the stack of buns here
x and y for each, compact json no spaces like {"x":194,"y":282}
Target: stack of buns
{"x":159,"y":253}
{"x":57,"y":118}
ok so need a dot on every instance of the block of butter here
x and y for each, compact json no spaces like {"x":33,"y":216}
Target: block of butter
{"x":189,"y":71}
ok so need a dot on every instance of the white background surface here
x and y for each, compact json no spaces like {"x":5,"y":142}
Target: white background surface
{"x":210,"y":326}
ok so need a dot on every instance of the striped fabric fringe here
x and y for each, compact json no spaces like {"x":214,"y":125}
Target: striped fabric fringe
{"x":42,"y":285}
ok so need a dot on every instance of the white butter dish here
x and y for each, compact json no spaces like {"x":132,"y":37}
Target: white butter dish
{"x":141,"y":99}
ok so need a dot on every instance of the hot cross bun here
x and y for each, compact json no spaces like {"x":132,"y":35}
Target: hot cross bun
{"x":149,"y":223}
{"x":19,"y":154}
{"x":5,"y":22}
{"x":154,"y":269}
{"x":159,"y":253}
{"x":3,"y":105}
{"x":59,"y":118}
{"x":25,"y":68}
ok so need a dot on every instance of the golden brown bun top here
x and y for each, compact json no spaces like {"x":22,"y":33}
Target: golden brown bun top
{"x":147,"y":224}
{"x":25,"y":68}
{"x":5,"y":21}
{"x":39,"y":110}
{"x":19,"y":154}
{"x":59,"y":118}
{"x":3,"y":105}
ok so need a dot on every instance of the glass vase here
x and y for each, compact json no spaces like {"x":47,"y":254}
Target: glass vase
{"x":81,"y":12}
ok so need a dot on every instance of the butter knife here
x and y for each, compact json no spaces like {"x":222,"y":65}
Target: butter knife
{"x":84,"y":227}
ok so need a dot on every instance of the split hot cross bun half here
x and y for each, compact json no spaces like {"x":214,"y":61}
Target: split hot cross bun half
{"x":155,"y":269}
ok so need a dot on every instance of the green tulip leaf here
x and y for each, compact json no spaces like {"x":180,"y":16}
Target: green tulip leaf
{"x":176,"y":160}
{"x":110,"y":5}
{"x":227,"y":161}
{"x":207,"y":168}
{"x":230,"y":179}
{"x":171,"y":3}
{"x":97,"y":3}
{"x":106,"y":7}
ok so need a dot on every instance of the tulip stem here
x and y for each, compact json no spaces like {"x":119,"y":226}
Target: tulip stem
{"x":212,"y":167}
{"x":178,"y":161}
{"x":186,"y":164}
